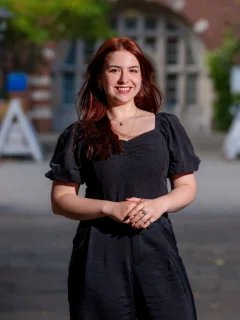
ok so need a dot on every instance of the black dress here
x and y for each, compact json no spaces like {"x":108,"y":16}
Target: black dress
{"x":116,"y":272}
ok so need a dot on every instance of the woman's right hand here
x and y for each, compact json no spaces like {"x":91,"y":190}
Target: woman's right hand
{"x":119,"y":210}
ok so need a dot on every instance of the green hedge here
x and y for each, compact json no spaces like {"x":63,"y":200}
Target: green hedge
{"x":220,"y":62}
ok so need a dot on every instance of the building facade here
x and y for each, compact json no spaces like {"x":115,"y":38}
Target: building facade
{"x":175,"y":35}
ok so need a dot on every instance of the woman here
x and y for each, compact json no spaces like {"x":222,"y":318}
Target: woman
{"x":125,"y":263}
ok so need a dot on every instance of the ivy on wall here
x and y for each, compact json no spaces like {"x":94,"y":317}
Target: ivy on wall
{"x":220,"y":62}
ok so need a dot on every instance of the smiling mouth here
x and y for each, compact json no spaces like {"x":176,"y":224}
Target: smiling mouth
{"x":123,"y":89}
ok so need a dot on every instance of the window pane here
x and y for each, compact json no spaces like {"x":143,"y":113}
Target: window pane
{"x":151,"y":42}
{"x":191,"y":89}
{"x":171,"y":91}
{"x":133,"y":38}
{"x":172,"y":50}
{"x":190,"y":58}
{"x":72,"y":53}
{"x":150,"y":23}
{"x":172,"y":27}
{"x":88,"y":50}
{"x":68,"y":87}
{"x":130,"y":23}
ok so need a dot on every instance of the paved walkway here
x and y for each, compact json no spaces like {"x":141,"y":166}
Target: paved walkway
{"x":35,"y":244}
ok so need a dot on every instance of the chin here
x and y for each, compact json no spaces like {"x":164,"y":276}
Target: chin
{"x":125,"y":99}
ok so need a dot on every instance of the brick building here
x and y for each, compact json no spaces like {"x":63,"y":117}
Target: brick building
{"x":175,"y":35}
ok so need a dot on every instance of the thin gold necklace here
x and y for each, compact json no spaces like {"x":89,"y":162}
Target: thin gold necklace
{"x":128,"y":135}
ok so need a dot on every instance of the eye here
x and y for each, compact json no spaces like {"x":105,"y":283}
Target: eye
{"x":113,"y":70}
{"x":134,"y":70}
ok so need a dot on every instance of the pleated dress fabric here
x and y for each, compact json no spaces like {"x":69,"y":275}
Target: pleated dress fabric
{"x":116,"y":272}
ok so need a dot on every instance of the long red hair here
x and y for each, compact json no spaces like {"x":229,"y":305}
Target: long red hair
{"x":100,"y":140}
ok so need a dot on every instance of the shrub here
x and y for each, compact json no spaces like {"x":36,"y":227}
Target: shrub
{"x":220,"y":62}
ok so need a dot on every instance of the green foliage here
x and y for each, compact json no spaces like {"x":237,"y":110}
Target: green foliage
{"x":220,"y":63}
{"x":36,"y":22}
{"x":39,"y":21}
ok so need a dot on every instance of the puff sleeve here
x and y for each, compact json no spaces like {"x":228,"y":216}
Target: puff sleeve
{"x":66,"y":163}
{"x":181,"y":152}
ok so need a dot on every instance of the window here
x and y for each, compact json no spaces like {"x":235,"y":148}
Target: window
{"x":172,"y":28}
{"x":191,"y":89}
{"x":150,"y":23}
{"x":190,"y":58}
{"x":72,"y":53}
{"x":151,"y":42}
{"x":130,"y":23}
{"x":88,"y":50}
{"x":169,"y":44}
{"x":133,"y":38}
{"x":171,"y":91}
{"x":172,"y":50}
{"x":68,"y":87}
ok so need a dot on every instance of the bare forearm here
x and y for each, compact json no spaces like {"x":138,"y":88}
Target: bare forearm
{"x":78,"y":208}
{"x":178,"y":198}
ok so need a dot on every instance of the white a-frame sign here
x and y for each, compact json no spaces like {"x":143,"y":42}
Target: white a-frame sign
{"x":231,"y":144}
{"x":17,"y":135}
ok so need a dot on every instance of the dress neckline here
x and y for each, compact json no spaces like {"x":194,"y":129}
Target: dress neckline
{"x":141,"y":134}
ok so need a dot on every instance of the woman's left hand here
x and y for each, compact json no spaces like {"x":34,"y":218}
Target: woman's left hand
{"x":145,"y":212}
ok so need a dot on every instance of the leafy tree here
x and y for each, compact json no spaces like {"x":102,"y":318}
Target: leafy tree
{"x":57,"y":19}
{"x":36,"y":22}
{"x":220,"y":63}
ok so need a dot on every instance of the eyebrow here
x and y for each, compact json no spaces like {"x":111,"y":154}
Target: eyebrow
{"x":114,"y":66}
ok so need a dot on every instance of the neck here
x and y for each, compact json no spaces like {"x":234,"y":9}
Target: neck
{"x":121,"y":113}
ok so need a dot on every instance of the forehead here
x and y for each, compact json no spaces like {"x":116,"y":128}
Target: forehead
{"x":121,"y":58}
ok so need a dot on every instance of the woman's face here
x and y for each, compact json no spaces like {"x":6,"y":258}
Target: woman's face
{"x":121,"y":77}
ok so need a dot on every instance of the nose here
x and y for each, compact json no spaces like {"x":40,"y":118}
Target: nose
{"x":123,"y":77}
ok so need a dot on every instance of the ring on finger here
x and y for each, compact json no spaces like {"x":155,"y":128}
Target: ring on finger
{"x":144,"y":212}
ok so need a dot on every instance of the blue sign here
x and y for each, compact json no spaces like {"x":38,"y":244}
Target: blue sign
{"x":16,"y":81}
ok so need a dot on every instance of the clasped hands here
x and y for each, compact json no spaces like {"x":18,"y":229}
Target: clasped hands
{"x":140,"y":213}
